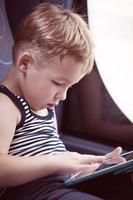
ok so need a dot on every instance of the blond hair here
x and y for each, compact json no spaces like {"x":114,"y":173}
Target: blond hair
{"x":54,"y":31}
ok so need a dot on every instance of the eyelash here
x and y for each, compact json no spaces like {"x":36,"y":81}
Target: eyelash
{"x":58,"y":84}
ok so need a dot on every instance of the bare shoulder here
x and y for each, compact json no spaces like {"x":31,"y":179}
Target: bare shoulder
{"x":9,"y":118}
{"x":7,"y":105}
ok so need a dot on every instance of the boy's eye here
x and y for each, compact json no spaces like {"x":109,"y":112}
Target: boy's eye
{"x":58,"y":84}
{"x":61,"y":84}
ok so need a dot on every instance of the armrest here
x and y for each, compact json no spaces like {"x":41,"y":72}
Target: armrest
{"x":84,"y":146}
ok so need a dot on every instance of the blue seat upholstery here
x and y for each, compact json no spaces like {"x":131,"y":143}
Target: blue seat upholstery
{"x":6,"y":42}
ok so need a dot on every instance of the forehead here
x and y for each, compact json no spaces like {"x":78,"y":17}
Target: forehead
{"x":67,"y":68}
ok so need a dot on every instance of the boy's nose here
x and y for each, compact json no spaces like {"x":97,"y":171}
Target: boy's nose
{"x":61,"y":96}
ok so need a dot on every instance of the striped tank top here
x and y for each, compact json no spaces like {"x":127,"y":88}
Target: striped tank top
{"x":34,"y":135}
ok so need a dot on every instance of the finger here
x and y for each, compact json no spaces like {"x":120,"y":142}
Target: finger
{"x":88,"y":169}
{"x":115,"y":160}
{"x":95,"y":159}
{"x":117,"y":151}
{"x":113,"y":153}
{"x":89,"y":159}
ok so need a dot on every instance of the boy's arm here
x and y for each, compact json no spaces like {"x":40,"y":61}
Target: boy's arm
{"x":19,"y":170}
{"x":9,"y":119}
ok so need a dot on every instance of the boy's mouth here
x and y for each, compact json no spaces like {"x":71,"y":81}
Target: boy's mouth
{"x":49,"y":105}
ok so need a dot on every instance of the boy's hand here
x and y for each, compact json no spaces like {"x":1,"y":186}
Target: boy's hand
{"x":72,"y":162}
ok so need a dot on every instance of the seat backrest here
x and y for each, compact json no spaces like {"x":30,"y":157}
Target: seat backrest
{"x":6,"y":42}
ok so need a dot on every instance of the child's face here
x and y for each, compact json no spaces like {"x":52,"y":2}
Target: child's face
{"x":44,"y":86}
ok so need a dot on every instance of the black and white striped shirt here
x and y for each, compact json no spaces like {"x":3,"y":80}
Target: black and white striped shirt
{"x":34,"y":135}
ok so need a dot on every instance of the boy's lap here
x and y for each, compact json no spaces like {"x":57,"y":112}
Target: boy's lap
{"x":45,"y":190}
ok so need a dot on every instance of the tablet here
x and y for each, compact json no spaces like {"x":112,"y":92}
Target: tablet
{"x":104,"y":169}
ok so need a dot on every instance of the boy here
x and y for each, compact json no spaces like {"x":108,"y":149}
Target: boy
{"x":52,"y":51}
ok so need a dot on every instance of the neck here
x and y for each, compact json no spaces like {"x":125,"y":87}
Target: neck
{"x":43,"y":112}
{"x":11,"y":81}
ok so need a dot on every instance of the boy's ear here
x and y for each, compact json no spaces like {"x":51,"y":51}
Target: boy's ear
{"x":24,"y":62}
